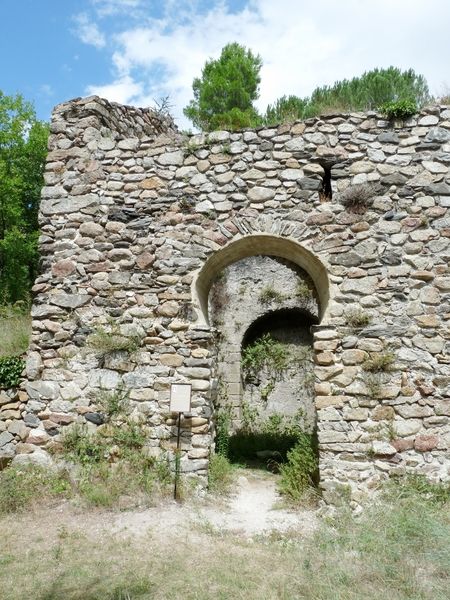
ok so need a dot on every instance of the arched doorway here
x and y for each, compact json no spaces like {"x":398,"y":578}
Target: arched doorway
{"x":262,"y":307}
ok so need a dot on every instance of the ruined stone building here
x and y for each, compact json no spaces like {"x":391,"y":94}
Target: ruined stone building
{"x":331,"y":235}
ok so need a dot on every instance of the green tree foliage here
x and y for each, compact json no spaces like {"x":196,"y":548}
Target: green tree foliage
{"x":23,"y":147}
{"x":285,"y":110}
{"x":370,"y":91}
{"x":224,"y":95}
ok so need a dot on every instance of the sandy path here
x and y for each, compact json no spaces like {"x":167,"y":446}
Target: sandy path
{"x":253,"y":508}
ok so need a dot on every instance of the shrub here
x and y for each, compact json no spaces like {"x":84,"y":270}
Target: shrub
{"x":223,"y":421}
{"x":264,"y":352}
{"x":220,"y":474}
{"x":11,"y":368}
{"x":358,"y":197}
{"x":300,"y":471}
{"x":399,"y":109}
{"x":113,"y":402}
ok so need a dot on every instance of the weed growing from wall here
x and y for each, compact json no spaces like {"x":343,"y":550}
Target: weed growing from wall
{"x":105,"y":342}
{"x":358,"y":197}
{"x":269,"y":294}
{"x":267,"y":353}
{"x":11,"y":368}
{"x":379,"y":362}
{"x":303,"y":291}
{"x":113,"y":402}
{"x":357,"y":318}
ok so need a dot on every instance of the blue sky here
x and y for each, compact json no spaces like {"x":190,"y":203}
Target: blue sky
{"x":138,"y":51}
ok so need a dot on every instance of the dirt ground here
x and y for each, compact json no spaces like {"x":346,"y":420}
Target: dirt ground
{"x":254,"y":507}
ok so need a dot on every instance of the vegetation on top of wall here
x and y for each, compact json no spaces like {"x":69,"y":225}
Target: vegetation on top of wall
{"x":369,"y":91}
{"x":229,"y":85}
{"x":399,"y":109}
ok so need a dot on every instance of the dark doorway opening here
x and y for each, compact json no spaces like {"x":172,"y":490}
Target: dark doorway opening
{"x":277,"y":392}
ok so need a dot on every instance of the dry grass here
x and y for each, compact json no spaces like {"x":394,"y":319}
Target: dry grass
{"x":15,"y":330}
{"x":398,"y":550}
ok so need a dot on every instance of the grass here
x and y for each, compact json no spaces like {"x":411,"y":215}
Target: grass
{"x":113,"y":468}
{"x":15,"y":330}
{"x":357,"y":318}
{"x":358,"y":197}
{"x":269,"y":294}
{"x":379,"y":362}
{"x":398,"y":549}
{"x":105,"y":342}
{"x":19,"y":488}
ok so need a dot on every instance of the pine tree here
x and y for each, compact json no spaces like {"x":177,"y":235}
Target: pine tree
{"x":224,"y":95}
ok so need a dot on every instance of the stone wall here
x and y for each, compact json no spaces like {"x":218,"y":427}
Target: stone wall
{"x":138,"y":221}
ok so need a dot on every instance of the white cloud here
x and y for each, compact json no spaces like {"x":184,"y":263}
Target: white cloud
{"x":122,"y":90}
{"x":88,"y":31}
{"x":303,"y":45}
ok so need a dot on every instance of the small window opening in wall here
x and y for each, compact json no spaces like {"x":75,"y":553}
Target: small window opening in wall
{"x":326,"y":193}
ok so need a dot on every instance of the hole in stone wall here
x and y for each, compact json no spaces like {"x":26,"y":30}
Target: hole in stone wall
{"x":326,"y":192}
